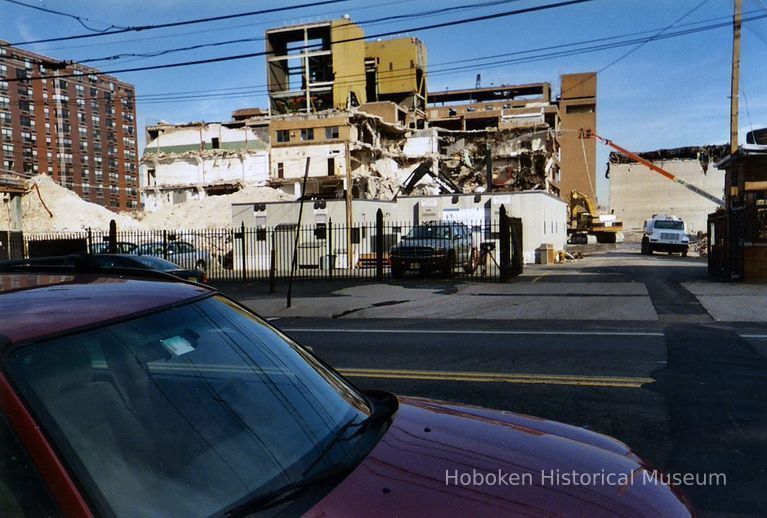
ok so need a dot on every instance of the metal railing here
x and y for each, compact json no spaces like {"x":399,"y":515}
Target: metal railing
{"x":381,"y":250}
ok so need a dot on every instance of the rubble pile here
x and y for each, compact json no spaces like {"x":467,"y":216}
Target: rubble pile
{"x":59,"y":209}
{"x":211,"y":212}
{"x":62,"y":210}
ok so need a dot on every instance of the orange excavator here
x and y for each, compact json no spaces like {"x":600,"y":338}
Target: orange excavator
{"x":587,"y":134}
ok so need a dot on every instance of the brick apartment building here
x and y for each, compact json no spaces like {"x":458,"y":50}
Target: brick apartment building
{"x":80,"y":130}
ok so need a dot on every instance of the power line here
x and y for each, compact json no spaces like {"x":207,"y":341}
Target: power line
{"x":373,"y":21}
{"x":175,"y":24}
{"x":639,"y":46}
{"x":536,"y":54}
{"x":379,"y":35}
{"x":260,"y":89}
{"x":80,"y":19}
{"x":228,"y":28}
{"x":476,"y":58}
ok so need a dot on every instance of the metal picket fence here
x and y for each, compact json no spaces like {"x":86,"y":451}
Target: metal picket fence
{"x":381,"y":250}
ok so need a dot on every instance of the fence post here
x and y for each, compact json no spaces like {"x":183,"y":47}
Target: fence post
{"x":90,"y":241}
{"x":331,"y":257}
{"x":165,"y":244}
{"x":112,"y":248}
{"x":504,"y":242}
{"x":244,"y":260}
{"x":272,"y":265}
{"x":379,"y":245}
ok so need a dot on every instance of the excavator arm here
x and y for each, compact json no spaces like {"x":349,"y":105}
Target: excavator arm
{"x":652,"y":167}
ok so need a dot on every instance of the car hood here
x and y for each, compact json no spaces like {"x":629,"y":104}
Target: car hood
{"x":409,"y":471}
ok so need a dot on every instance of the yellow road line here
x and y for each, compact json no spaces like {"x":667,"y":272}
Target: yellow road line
{"x":493,"y":377}
{"x":544,"y":274}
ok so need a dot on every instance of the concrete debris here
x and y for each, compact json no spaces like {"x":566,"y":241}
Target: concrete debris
{"x":70,"y":212}
{"x":211,"y":212}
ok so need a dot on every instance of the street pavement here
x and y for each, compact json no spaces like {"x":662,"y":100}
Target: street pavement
{"x":646,"y":349}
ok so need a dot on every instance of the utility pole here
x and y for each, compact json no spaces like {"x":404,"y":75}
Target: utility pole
{"x":734,"y":86}
{"x":349,"y":182}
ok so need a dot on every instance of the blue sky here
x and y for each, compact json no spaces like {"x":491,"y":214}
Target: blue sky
{"x":668,"y":93}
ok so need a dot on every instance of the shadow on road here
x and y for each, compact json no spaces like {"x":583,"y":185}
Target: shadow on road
{"x":715,"y":386}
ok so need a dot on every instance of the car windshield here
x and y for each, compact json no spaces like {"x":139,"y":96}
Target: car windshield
{"x":429,"y":232}
{"x":669,"y":225}
{"x":186,"y":411}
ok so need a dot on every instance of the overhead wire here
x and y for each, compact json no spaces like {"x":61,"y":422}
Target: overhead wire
{"x":639,"y":46}
{"x":442,"y":68}
{"x":227,"y":28}
{"x":360,"y":38}
{"x":373,"y":21}
{"x":80,"y":19}
{"x":166,"y":25}
{"x":562,"y":50}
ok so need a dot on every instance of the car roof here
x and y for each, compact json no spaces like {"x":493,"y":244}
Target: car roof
{"x":40,"y":305}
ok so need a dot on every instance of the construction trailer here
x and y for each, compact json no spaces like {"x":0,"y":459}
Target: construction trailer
{"x":737,"y":247}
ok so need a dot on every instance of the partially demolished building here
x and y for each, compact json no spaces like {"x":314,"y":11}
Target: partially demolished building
{"x":636,"y":193}
{"x":355,"y":118}
{"x":192,"y":161}
{"x":500,"y":138}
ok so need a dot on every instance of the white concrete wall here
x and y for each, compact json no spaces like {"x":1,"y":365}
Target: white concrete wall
{"x":636,"y":193}
{"x":421,"y":143}
{"x":197,"y":134}
{"x":293,"y":160}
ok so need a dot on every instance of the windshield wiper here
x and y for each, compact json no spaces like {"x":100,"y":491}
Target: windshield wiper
{"x":384,"y":406}
{"x":285,"y":493}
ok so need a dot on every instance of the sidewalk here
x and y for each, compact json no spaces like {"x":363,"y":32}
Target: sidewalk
{"x":611,"y":285}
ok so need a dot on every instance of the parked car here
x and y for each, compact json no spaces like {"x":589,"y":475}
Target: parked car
{"x":122,"y":247}
{"x":182,"y":253}
{"x":437,"y":245}
{"x":135,"y":397}
{"x":149,"y":262}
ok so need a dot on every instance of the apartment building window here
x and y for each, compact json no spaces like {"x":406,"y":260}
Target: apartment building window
{"x":4,"y":85}
{"x":3,"y":70}
{"x":21,"y":74}
{"x":331,"y":166}
{"x":7,"y":133}
{"x":331,"y":132}
{"x":7,"y":149}
{"x":280,"y":170}
{"x":283,"y":136}
{"x":307,"y":134}
{"x":5,"y":102}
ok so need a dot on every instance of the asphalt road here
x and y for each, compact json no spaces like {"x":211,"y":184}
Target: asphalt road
{"x":690,"y":398}
{"x":687,"y":393}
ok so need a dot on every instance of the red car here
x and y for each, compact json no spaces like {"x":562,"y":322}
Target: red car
{"x":130,"y":397}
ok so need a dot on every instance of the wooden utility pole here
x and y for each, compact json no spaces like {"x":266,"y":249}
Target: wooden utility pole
{"x":349,"y":182}
{"x":734,"y":86}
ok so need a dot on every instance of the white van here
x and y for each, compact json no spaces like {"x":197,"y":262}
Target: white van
{"x":665,"y":234}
